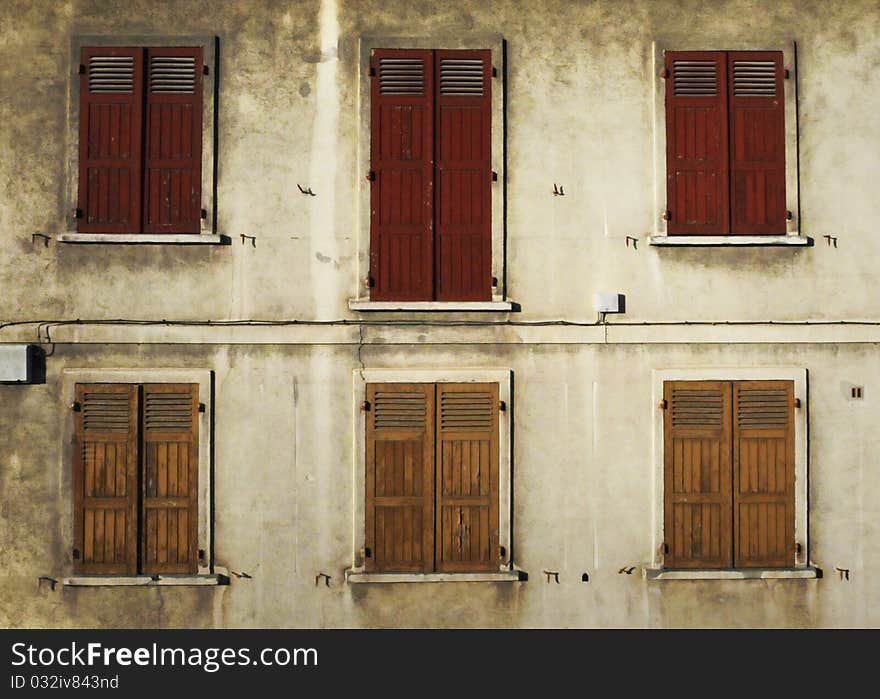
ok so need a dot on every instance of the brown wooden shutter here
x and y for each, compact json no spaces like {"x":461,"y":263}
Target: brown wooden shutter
{"x":111,"y":98}
{"x":105,"y":479}
{"x":173,"y":141}
{"x":400,"y":477}
{"x":170,"y":430}
{"x":763,"y":468}
{"x":696,"y":143}
{"x":402,"y":189}
{"x":467,"y":477}
{"x":697,"y":474}
{"x":757,"y":142}
{"x":463,"y":142}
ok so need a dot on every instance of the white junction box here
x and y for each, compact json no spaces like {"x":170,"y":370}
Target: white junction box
{"x":610,"y":303}
{"x":19,"y":363}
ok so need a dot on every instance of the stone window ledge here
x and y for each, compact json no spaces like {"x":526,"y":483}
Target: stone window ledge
{"x":219,"y":577}
{"x":809,"y":572}
{"x":728,"y":240}
{"x":499,"y":576}
{"x":145,"y":238}
{"x":365,"y":305}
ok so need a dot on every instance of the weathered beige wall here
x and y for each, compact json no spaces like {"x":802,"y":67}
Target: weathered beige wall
{"x":580,"y":100}
{"x":583,"y":488}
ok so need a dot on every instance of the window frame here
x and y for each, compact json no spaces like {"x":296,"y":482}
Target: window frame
{"x":208,"y":226}
{"x":504,"y":379}
{"x":495,"y":44}
{"x":799,"y":376}
{"x":660,"y":234}
{"x":207,"y":572}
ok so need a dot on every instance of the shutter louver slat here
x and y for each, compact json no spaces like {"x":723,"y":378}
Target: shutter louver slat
{"x":168,"y":411}
{"x":470,"y":410}
{"x":754,"y":78}
{"x":393,"y":409}
{"x":172,"y":74}
{"x":695,"y":78}
{"x":461,"y":77}
{"x":697,"y":408}
{"x":401,"y":76}
{"x":111,"y":74}
{"x":105,"y":412}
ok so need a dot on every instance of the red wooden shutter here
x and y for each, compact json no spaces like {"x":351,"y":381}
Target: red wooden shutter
{"x":696,"y":143}
{"x":171,"y":478}
{"x":402,"y":190}
{"x":173,"y":141}
{"x":757,"y":142}
{"x":463,"y":142}
{"x":105,"y":479}
{"x":111,"y":95}
{"x":763,"y":468}
{"x":697,"y":480}
{"x":467,"y":477}
{"x":400,"y":477}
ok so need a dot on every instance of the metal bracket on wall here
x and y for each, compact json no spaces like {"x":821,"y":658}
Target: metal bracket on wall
{"x":554,"y":573}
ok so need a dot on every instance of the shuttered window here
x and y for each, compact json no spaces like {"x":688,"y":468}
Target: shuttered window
{"x":729,"y":474}
{"x":725,"y":143}
{"x":135,"y":478}
{"x":430,"y":153}
{"x":140,"y":140}
{"x":432,"y":493}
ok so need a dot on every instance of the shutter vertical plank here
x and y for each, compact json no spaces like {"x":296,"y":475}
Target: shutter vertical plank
{"x":105,"y":510}
{"x":697,"y":474}
{"x":463,"y":175}
{"x":763,"y":473}
{"x":697,"y":143}
{"x":173,"y":148}
{"x":111,"y":99}
{"x":402,"y":189}
{"x":467,"y":519}
{"x":757,"y":142}
{"x":170,"y":492}
{"x":399,"y":486}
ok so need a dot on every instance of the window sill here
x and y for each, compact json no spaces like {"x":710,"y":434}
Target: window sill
{"x":810,"y":572}
{"x":500,"y":576}
{"x":365,"y":305}
{"x":145,"y":238}
{"x":728,"y":240}
{"x":199,"y":580}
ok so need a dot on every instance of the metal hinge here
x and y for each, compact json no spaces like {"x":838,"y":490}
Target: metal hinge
{"x":494,"y":176}
{"x":77,"y":213}
{"x":665,"y":547}
{"x":201,"y":407}
{"x":205,"y":70}
{"x":371,"y":175}
{"x":82,"y":69}
{"x":204,"y":213}
{"x":371,"y":72}
{"x":502,"y":406}
{"x":664,"y":73}
{"x":495,"y":281}
{"x":797,"y":547}
{"x":788,"y":215}
{"x":365,"y":406}
{"x":663,"y":404}
{"x":367,"y":552}
{"x":371,"y":282}
{"x":75,"y":407}
{"x":797,"y":402}
{"x":667,"y":215}
{"x":494,"y":72}
{"x":76,"y":554}
{"x":787,"y":74}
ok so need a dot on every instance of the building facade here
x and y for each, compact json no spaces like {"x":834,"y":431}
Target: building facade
{"x":457,"y":314}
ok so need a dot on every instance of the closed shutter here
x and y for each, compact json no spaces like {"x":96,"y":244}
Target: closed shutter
{"x":402,"y":189}
{"x":697,"y":474}
{"x":763,"y":467}
{"x":467,"y":477}
{"x":105,"y":479}
{"x":697,"y":143}
{"x":400,"y":477}
{"x":173,"y":141}
{"x":170,"y":500}
{"x":111,"y":97}
{"x":463,"y":175}
{"x":757,"y":142}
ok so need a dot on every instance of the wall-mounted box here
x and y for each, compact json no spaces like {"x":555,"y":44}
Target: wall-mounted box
{"x":22,"y":364}
{"x":610,"y":303}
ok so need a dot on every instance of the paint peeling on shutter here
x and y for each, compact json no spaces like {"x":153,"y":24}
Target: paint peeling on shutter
{"x":697,"y":158}
{"x":467,"y":477}
{"x":173,"y":141}
{"x":105,"y":479}
{"x":763,"y":470}
{"x":399,"y":506}
{"x":402,"y":191}
{"x":170,"y":481}
{"x":111,"y":98}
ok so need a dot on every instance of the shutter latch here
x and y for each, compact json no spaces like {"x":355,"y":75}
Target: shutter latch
{"x":75,"y":407}
{"x":662,"y":404}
